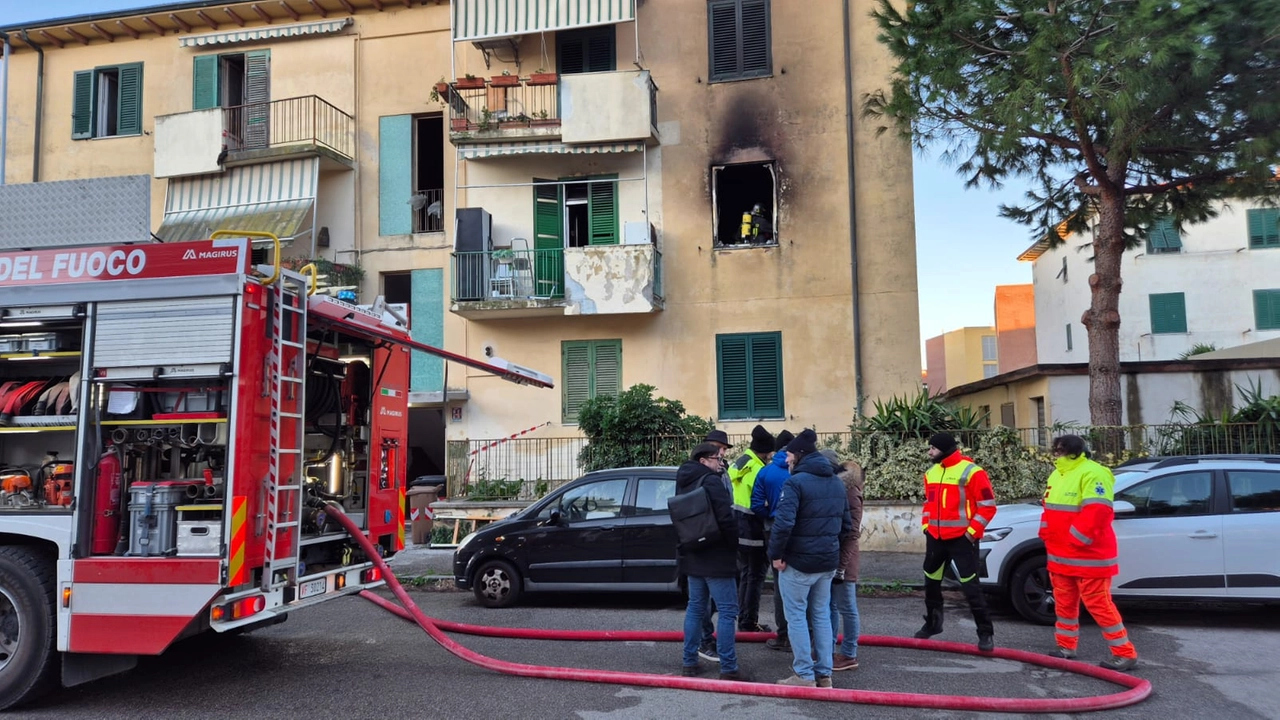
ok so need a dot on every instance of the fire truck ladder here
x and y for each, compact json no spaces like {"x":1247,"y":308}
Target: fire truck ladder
{"x":284,"y":482}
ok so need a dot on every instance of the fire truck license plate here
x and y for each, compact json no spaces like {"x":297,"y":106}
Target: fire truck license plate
{"x":312,"y":588}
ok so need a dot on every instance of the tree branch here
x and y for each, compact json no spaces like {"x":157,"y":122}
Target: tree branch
{"x":1086,"y":143}
{"x":1172,"y":184}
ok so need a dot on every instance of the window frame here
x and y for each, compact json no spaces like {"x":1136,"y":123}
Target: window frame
{"x":592,"y":391}
{"x":739,"y":71}
{"x":717,"y":239}
{"x":87,"y":118}
{"x":1144,"y":511}
{"x":753,"y":410}
{"x":1158,"y":301}
{"x":1163,"y":238}
{"x":1263,"y":228}
{"x":1270,"y":297}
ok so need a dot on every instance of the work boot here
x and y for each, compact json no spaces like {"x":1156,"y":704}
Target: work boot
{"x":840,"y":661}
{"x":797,"y":681}
{"x":735,"y":676}
{"x":932,"y":625}
{"x":780,"y":644}
{"x":986,"y":642}
{"x":822,"y":681}
{"x":1061,"y":652}
{"x":1123,"y":664}
{"x":691,"y":670}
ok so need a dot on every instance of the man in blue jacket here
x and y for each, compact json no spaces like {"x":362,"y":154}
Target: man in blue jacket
{"x":764,"y":503}
{"x":811,"y":521}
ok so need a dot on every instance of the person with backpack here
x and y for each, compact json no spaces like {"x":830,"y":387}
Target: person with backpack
{"x":708,"y":557}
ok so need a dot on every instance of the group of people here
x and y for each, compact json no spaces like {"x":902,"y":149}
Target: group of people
{"x":786,"y":504}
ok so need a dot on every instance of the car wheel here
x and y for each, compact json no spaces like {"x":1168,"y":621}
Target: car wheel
{"x":497,"y":584}
{"x":1030,"y":591}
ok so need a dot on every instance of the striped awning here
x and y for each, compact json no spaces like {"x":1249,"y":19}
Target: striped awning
{"x":479,"y":152}
{"x":266,"y":32}
{"x":274,"y":197}
{"x":481,"y":19}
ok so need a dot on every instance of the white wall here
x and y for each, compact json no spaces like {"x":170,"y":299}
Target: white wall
{"x":1215,"y":270}
{"x":1156,"y":394}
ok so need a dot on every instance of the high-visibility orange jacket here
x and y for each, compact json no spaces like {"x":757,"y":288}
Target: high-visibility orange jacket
{"x":958,"y":499}
{"x":1076,"y":522}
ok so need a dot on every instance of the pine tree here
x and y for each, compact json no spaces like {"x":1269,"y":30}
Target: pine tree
{"x":1120,"y":112}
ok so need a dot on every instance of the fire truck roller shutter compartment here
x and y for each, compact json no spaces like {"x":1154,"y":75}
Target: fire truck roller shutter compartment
{"x":165,"y":333}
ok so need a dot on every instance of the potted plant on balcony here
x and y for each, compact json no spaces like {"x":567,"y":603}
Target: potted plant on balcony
{"x":469,"y":82}
{"x":542,"y":77}
{"x":506,"y":79}
{"x":540,"y":119}
{"x":440,"y":92}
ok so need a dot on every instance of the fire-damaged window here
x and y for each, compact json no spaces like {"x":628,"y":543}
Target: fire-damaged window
{"x":744,"y":204}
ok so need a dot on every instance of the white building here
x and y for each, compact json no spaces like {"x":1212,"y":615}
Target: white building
{"x":1215,"y":283}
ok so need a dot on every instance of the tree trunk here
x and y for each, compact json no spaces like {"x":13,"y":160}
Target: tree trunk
{"x":1102,"y":319}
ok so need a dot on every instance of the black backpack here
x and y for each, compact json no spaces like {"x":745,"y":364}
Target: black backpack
{"x":694,"y":519}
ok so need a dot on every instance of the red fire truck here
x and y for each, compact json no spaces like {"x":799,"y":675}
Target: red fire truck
{"x":173,"y":418}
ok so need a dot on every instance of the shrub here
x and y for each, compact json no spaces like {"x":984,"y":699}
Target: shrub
{"x":636,"y":429}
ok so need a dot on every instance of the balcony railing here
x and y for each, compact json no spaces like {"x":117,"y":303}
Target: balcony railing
{"x":293,"y":121}
{"x":428,"y":214}
{"x":508,"y":275}
{"x":489,"y":107}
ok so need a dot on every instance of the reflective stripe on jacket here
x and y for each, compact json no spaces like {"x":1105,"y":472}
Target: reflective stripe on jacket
{"x":958,"y":499}
{"x":1076,"y":522}
{"x":742,"y":477}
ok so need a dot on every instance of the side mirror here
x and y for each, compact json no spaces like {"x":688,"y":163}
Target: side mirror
{"x":1123,"y":507}
{"x":554,"y":518}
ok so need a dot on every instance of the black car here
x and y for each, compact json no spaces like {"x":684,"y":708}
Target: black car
{"x":607,"y":531}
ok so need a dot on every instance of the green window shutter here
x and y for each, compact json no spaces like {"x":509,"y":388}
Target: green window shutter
{"x":395,"y":174}
{"x":766,"y":375}
{"x":602,"y":213}
{"x":129,"y":107}
{"x":733,"y":376}
{"x":82,"y":105}
{"x":204,"y":82}
{"x":1264,"y":227}
{"x":1266,"y":309}
{"x":587,"y":50}
{"x":575,"y":359}
{"x":722,"y":42}
{"x":757,"y":56}
{"x":606,"y":368}
{"x":548,"y":238}
{"x":1168,"y":313}
{"x":1163,"y":236}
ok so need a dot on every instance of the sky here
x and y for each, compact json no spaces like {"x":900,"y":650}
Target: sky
{"x":963,"y":247}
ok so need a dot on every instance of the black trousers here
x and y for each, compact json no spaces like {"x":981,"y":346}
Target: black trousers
{"x":964,"y":554}
{"x":753,"y":562}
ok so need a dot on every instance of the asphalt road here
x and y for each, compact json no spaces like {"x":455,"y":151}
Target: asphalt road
{"x":350,"y":659}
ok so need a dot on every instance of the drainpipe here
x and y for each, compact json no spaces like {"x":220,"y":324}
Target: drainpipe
{"x":4,"y":104}
{"x":853,"y":211}
{"x":35,"y":150}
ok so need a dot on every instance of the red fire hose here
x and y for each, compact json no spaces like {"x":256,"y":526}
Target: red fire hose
{"x":1138,"y":689}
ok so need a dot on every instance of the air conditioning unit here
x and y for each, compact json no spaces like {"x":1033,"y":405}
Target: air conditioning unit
{"x":638,"y":233}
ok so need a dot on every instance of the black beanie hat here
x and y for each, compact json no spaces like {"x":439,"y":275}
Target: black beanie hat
{"x":945,"y":442}
{"x":761,"y":440}
{"x":784,"y":437}
{"x":804,"y":443}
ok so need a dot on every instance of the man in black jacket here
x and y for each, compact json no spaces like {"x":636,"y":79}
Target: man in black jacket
{"x":711,"y":571}
{"x":812,"y":520}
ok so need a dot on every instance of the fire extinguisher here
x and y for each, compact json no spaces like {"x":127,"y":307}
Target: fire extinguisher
{"x":106,"y":503}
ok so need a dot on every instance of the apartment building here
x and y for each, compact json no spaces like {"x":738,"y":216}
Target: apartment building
{"x":567,"y":185}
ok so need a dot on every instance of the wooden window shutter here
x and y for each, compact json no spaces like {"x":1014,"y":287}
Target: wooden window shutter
{"x":602,"y":50}
{"x":1266,"y":309}
{"x":602,"y":213}
{"x":723,"y":41}
{"x":204,"y":82}
{"x":606,"y":374}
{"x":733,"y":376}
{"x":576,"y":361}
{"x":129,"y":106}
{"x":1168,"y":313}
{"x":257,"y":99}
{"x":1163,"y":235}
{"x":766,"y":375}
{"x":573,"y":54}
{"x":82,"y":105}
{"x":754,"y":33}
{"x":1264,"y":227}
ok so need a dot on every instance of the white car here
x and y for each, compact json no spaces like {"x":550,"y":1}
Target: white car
{"x":1189,"y":528}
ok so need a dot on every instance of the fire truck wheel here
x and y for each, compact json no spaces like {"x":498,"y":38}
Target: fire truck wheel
{"x":497,"y":584}
{"x":28,"y":657}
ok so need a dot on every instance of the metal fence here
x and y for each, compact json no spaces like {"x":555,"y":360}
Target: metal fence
{"x":307,"y":119}
{"x":428,"y":215}
{"x":528,"y":468}
{"x":508,"y":275}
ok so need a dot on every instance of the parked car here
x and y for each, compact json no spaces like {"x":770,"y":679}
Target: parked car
{"x":1189,"y":528}
{"x":607,"y":531}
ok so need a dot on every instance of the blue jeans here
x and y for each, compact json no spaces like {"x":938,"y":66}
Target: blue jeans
{"x":844,"y":606}
{"x":725,"y":592}
{"x":807,"y":597}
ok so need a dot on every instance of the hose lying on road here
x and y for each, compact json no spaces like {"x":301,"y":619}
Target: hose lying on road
{"x":1138,"y":689}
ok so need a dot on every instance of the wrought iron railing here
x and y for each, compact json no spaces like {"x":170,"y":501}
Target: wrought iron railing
{"x":508,"y":275}
{"x":480,"y":105}
{"x":428,"y":212}
{"x":300,"y":120}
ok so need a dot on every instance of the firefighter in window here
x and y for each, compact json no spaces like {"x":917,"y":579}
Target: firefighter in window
{"x":756,"y":227}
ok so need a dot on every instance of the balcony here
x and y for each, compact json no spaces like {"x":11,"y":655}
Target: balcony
{"x":586,"y":108}
{"x":192,"y":143}
{"x":593,"y":280}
